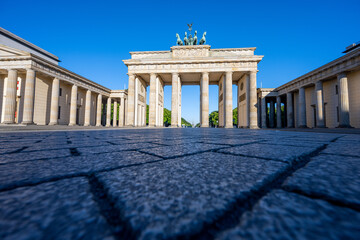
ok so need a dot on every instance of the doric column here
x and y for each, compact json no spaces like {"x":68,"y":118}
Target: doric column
{"x":87,"y":108}
{"x":115,"y":114}
{"x":175,"y":100}
{"x":98,"y":110}
{"x":302,"y":108}
{"x":289,"y":110}
{"x":10,"y":97}
{"x":121,"y":112}
{"x":152,"y":101}
{"x":253,"y":96}
{"x":28,"y":113}
{"x":320,"y":118}
{"x":126,"y":111}
{"x":204,"y":87}
{"x":54,"y":109}
{"x":228,"y":101}
{"x":73,"y":105}
{"x":263,"y":112}
{"x":247,"y":101}
{"x":179,"y":103}
{"x":272,"y":113}
{"x":278,"y":112}
{"x":131,"y":101}
{"x":344,"y":117}
{"x":108,"y":112}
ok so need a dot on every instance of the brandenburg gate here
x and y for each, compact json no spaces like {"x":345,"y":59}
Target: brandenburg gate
{"x":193,"y":64}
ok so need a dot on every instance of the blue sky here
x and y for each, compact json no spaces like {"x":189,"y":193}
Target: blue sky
{"x":92,"y":38}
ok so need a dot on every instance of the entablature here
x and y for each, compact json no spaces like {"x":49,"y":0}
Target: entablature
{"x":346,"y":63}
{"x":50,"y":69}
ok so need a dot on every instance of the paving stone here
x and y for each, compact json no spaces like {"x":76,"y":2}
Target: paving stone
{"x":283,"y":215}
{"x":14,"y":174}
{"x":26,"y":156}
{"x":329,"y":176}
{"x":180,"y":149}
{"x":296,"y":143}
{"x":116,"y":148}
{"x":57,"y":210}
{"x":351,"y":148}
{"x":270,"y":151}
{"x":230,"y":141}
{"x":177,"y":196}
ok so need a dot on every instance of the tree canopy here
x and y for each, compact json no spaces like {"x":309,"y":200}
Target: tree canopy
{"x":167,"y":118}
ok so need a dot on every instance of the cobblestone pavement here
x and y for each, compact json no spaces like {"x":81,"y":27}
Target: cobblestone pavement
{"x":179,"y":183}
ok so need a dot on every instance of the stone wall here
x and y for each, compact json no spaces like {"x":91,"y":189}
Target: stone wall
{"x":42,"y":100}
{"x":354,"y":98}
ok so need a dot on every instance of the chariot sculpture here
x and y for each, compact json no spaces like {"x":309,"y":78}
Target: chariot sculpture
{"x":190,"y":40}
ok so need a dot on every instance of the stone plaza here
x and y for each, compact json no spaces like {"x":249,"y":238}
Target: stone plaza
{"x":200,"y":183}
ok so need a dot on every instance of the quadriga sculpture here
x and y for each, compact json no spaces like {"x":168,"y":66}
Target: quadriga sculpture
{"x":203,"y":39}
{"x":178,"y":41}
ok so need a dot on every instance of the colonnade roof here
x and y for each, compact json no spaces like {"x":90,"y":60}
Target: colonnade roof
{"x":346,"y":63}
{"x":15,"y":41}
{"x":21,"y":60}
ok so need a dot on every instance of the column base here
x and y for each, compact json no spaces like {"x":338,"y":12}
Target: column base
{"x":254,"y":127}
{"x":98,"y":125}
{"x":28,"y":123}
{"x":344,"y":126}
{"x":72,"y":124}
{"x":9,"y":122}
{"x":204,"y":126}
{"x":86,"y":125}
{"x":53,"y":123}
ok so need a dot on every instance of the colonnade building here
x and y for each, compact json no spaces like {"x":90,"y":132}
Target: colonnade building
{"x":194,"y":65}
{"x":328,"y":96}
{"x":34,"y":89}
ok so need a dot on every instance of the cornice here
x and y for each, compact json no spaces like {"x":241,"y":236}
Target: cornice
{"x":331,"y":69}
{"x":252,"y":58}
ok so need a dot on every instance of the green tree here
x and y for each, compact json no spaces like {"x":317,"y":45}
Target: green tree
{"x":167,"y":117}
{"x":235,"y":116}
{"x":186,"y":123}
{"x":214,"y":119}
{"x":147,"y":114}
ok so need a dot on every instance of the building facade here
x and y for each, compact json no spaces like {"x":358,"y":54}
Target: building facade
{"x":328,"y":96}
{"x":34,"y":89}
{"x":194,"y":65}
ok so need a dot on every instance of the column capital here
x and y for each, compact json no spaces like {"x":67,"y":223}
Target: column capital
{"x":30,"y":69}
{"x":206,"y":72}
{"x":153,"y":74}
{"x":11,"y":69}
{"x":175,"y":74}
{"x":342,"y":75}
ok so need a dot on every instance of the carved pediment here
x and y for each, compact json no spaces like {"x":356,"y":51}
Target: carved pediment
{"x":9,"y":52}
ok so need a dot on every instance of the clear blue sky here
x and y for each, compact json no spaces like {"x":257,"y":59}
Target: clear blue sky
{"x":92,"y":38}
